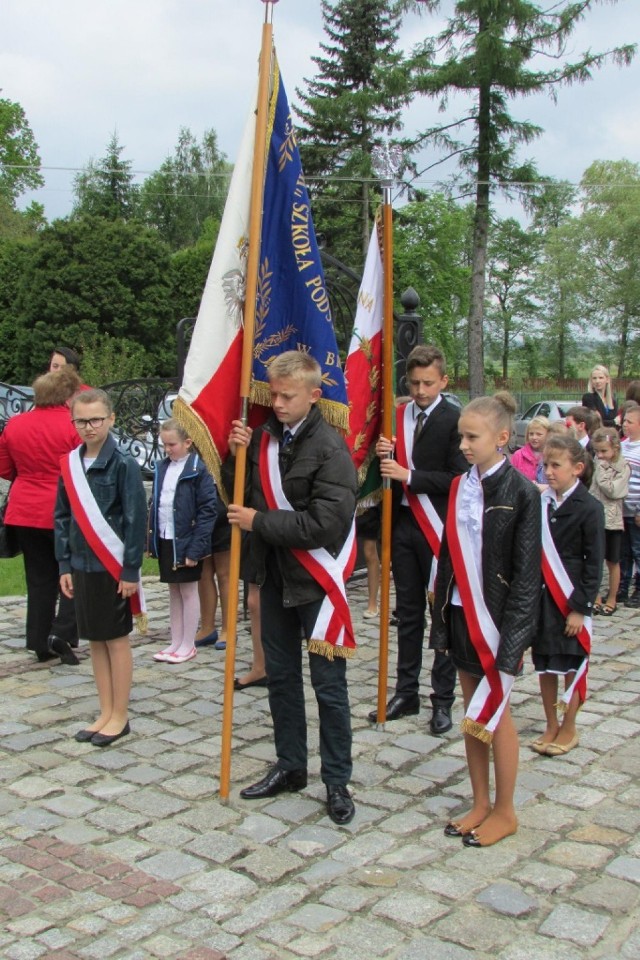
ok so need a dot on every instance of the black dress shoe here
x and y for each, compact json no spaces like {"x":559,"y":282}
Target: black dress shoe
{"x":440,"y":721}
{"x":47,"y":655}
{"x":276,"y":781}
{"x":399,"y":706}
{"x":104,"y":739}
{"x":340,"y":806}
{"x":63,"y":650}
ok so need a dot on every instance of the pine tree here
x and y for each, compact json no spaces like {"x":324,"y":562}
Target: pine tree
{"x":350,"y":106}
{"x":105,"y":188}
{"x":491,"y":51}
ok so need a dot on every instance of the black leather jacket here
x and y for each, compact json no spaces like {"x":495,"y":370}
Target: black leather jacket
{"x":511,"y":563}
{"x":319,"y":481}
{"x":116,"y":483}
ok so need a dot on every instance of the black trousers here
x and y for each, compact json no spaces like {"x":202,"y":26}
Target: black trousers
{"x":283,"y":632}
{"x":43,"y":591}
{"x":411,"y":563}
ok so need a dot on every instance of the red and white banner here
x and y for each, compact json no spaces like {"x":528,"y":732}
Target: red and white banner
{"x":103,"y":540}
{"x":492,"y":693}
{"x":363,"y":368}
{"x":420,"y":503}
{"x":333,"y":631}
{"x":560,"y":587}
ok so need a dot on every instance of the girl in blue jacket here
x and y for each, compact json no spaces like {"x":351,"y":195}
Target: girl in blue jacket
{"x":183,"y":511}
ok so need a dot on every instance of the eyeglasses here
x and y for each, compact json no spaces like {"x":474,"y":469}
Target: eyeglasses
{"x":94,"y":423}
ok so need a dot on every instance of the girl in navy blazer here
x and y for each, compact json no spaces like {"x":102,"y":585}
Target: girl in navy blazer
{"x":181,"y":519}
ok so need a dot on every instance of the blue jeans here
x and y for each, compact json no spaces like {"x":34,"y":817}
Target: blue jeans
{"x":630,"y":556}
{"x":283,"y":632}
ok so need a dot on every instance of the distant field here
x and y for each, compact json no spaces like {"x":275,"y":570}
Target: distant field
{"x":12,"y":582}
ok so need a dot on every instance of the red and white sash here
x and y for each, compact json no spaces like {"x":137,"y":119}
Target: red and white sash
{"x":421,"y":506}
{"x":103,"y":540}
{"x":560,"y":587}
{"x":492,"y":693}
{"x":332,"y":634}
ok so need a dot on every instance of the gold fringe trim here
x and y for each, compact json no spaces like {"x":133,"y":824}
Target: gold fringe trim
{"x":142,"y":624}
{"x":477,"y":730}
{"x":329,"y":650}
{"x":199,"y":433}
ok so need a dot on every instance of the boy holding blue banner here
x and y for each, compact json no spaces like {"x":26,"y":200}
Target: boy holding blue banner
{"x":300,"y":506}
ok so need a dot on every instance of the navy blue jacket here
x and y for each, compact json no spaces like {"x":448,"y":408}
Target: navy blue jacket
{"x":194,"y":511}
{"x":116,"y":483}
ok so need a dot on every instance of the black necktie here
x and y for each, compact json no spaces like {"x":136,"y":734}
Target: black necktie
{"x":287,"y":438}
{"x":420,"y":419}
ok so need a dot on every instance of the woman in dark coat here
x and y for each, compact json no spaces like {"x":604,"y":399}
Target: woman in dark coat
{"x":599,"y":396}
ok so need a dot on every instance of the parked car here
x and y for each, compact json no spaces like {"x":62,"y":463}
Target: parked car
{"x":551,"y":409}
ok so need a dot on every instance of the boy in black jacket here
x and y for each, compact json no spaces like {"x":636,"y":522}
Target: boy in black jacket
{"x":300,"y":508}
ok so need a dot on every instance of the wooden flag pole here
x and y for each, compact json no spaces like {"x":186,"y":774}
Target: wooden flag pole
{"x":387,"y":428}
{"x":253,"y":263}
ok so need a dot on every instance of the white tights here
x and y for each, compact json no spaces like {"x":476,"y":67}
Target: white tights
{"x":184,"y":612}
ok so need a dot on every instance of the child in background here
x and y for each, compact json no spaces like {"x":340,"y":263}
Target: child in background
{"x":100,"y":519}
{"x":631,"y":508}
{"x":486,"y":607}
{"x":528,"y":459}
{"x":183,"y":511}
{"x":610,"y":485}
{"x":584,"y":422}
{"x":572,"y":554}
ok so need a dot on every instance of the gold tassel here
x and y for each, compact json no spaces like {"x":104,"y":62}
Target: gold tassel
{"x":477,"y":730}
{"x":329,"y":651}
{"x":142,"y":623}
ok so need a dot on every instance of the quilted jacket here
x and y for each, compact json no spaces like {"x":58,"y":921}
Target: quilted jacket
{"x":511,"y":562}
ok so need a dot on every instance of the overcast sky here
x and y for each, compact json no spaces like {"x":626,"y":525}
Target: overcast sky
{"x":84,"y":68}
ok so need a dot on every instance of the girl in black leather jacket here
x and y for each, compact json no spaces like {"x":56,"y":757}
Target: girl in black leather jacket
{"x":486,"y":606}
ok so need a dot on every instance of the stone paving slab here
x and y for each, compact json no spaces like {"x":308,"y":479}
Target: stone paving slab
{"x":128,"y":853}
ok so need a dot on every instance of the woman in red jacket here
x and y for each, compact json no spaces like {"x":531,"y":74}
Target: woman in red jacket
{"x":31,"y":446}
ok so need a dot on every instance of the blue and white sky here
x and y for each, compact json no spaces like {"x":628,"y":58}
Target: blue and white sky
{"x":84,"y":68}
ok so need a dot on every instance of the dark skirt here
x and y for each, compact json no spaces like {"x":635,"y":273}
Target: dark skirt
{"x":560,"y":663}
{"x":463,"y":652}
{"x":180,"y":574}
{"x":101,"y":612}
{"x":613,"y":545}
{"x":221,"y":536}
{"x":368,"y":524}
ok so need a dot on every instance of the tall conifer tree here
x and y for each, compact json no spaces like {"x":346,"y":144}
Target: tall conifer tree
{"x":492,"y":51}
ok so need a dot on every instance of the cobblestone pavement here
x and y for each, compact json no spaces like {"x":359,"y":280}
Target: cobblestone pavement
{"x":127,"y":852}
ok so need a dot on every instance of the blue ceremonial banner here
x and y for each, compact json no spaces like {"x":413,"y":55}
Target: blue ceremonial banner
{"x":292,"y":308}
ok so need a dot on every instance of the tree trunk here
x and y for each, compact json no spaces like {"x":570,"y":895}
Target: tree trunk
{"x":505,"y":345}
{"x":624,"y":343}
{"x":479,"y":250}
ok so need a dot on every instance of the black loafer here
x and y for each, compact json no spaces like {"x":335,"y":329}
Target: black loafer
{"x":276,"y":781}
{"x":104,"y":739}
{"x":84,"y":736}
{"x":399,"y":706}
{"x":340,"y":806}
{"x":440,"y":721}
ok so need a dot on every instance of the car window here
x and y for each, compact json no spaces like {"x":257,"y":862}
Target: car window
{"x":565,"y":407}
{"x":544,"y":410}
{"x":531,"y":412}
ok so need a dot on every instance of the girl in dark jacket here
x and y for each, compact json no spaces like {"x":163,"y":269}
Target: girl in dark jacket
{"x":573,"y":551}
{"x":183,"y":512}
{"x":486,"y":606}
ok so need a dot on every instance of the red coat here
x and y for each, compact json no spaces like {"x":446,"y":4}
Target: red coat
{"x":31,"y":446}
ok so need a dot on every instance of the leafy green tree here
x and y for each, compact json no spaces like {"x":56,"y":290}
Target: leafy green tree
{"x":19,"y":158}
{"x":350,"y":106}
{"x":432,"y":241}
{"x":511,"y":306}
{"x":189,"y":271}
{"x":105,"y":188}
{"x":492,"y":52}
{"x":610,"y":225}
{"x":90,"y":277}
{"x":189,"y":188}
